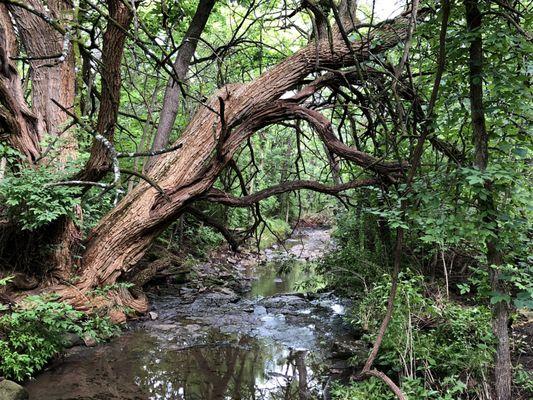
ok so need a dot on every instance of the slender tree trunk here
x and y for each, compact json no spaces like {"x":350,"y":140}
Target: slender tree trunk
{"x":171,"y":101}
{"x":113,"y":48}
{"x":500,"y":311}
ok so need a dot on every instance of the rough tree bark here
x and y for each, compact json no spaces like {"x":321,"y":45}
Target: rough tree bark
{"x":52,"y":74}
{"x":120,"y":17}
{"x":181,"y":65}
{"x":44,"y":32}
{"x":210,"y":140}
{"x":52,"y":70}
{"x":500,"y":311}
{"x":18,"y":125}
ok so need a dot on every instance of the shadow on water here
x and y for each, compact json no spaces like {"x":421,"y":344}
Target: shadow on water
{"x":264,"y":346}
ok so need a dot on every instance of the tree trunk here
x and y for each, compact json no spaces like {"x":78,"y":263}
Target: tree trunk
{"x":52,"y":71}
{"x":17,"y":123}
{"x":210,"y":140}
{"x":171,"y":101}
{"x":113,"y":49}
{"x":53,"y":77}
{"x":500,"y":311}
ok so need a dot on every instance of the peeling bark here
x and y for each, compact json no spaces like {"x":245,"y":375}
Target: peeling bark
{"x":113,"y":50}
{"x":18,"y":125}
{"x":52,"y":70}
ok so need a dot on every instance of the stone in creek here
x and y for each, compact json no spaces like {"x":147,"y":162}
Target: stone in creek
{"x":193,"y":327}
{"x":89,"y":341}
{"x":260,"y":310}
{"x":354,"y":349}
{"x":153,"y":315}
{"x":10,"y":390}
{"x":285,"y":301}
{"x":71,"y":340}
{"x":164,"y":327}
{"x":205,"y":302}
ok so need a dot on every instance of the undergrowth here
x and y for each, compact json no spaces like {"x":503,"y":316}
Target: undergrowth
{"x":436,"y":348}
{"x":36,"y":329}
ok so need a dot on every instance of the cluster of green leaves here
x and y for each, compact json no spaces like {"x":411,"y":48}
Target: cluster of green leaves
{"x":413,"y":388}
{"x":31,"y":199}
{"x":104,"y":290}
{"x":277,"y":229}
{"x":8,"y":153}
{"x":34,"y":332}
{"x":518,"y":277}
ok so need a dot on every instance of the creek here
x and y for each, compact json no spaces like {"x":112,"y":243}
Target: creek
{"x":274,"y":341}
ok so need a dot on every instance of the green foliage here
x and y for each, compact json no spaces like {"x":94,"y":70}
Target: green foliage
{"x":360,"y":256}
{"x":104,"y":290}
{"x":99,"y":328}
{"x":34,"y":332}
{"x":523,"y":378}
{"x":206,"y":237}
{"x":31,"y":199}
{"x":519,"y":278}
{"x":427,"y":338}
{"x":4,"y":281}
{"x":372,"y":388}
{"x":8,"y":153}
{"x":276,"y":230}
{"x":413,"y":388}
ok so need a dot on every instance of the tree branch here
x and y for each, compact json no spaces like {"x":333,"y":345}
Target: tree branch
{"x":199,"y":215}
{"x":219,"y":196}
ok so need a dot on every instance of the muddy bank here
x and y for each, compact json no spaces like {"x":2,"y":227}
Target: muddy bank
{"x":242,"y":327}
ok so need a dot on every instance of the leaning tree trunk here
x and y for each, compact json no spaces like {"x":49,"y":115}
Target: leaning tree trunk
{"x":209,"y":141}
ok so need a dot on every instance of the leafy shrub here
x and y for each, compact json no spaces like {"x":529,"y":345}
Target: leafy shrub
{"x":413,"y":388}
{"x":437,"y":348}
{"x":359,"y":257}
{"x":31,"y":199}
{"x":35,"y":332}
{"x":523,"y":379}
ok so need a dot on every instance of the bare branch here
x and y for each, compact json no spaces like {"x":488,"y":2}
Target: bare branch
{"x":218,"y":196}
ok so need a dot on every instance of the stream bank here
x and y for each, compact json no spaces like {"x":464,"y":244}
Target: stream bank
{"x":258,"y":335}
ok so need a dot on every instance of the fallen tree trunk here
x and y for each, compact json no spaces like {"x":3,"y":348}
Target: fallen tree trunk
{"x":213,"y":136}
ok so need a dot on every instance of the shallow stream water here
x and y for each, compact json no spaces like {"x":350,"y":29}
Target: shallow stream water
{"x":274,"y":342}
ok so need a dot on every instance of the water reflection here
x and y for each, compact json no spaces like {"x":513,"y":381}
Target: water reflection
{"x":243,"y":369}
{"x":140,"y":366}
{"x":281,"y":276}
